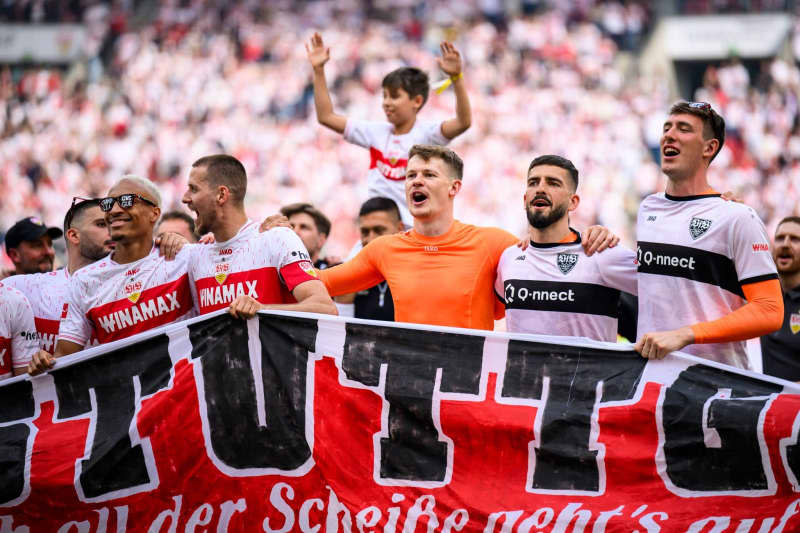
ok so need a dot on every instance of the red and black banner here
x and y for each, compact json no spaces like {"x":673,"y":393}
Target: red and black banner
{"x":293,"y":422}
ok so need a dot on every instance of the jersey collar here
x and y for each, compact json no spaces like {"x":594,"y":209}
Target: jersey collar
{"x":575,"y":233}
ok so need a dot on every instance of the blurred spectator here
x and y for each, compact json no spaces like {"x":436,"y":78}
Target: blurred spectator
{"x":780,"y":350}
{"x":177,"y":222}
{"x":313,"y":228}
{"x":29,"y":245}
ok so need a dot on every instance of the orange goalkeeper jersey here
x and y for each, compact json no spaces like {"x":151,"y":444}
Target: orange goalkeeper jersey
{"x":447,"y":280}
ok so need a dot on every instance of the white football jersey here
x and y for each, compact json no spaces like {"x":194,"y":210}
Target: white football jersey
{"x":18,"y":340}
{"x":556,"y":289}
{"x":47,"y":293}
{"x":694,"y":254}
{"x":388,"y":155}
{"x":115,"y":301}
{"x":266,"y":266}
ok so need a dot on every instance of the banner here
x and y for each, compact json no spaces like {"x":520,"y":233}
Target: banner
{"x":298,"y":422}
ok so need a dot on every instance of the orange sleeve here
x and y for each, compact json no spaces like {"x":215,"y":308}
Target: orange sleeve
{"x":355,"y":275}
{"x":762,"y":314}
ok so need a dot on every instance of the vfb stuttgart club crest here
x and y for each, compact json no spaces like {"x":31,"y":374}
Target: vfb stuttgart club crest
{"x":566,"y":262}
{"x":698,"y":227}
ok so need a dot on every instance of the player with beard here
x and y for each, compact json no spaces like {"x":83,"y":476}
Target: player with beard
{"x":706,"y":279}
{"x":780,"y":350}
{"x":554,"y":287}
{"x":441,"y":272}
{"x":131,"y":290}
{"x":87,"y":239}
{"x":244,"y":269}
{"x":29,"y":245}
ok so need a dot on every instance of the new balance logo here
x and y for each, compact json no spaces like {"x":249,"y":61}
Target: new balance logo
{"x":139,"y":313}
{"x":226,"y":251}
{"x":760,"y":247}
{"x":566,"y":262}
{"x":698,"y":227}
{"x":651,"y":218}
{"x":225,"y":294}
{"x":520,"y":258}
{"x":132,"y":271}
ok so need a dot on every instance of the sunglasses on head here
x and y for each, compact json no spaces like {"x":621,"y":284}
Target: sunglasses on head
{"x":77,"y":203}
{"x":125,"y":201}
{"x":703,"y":106}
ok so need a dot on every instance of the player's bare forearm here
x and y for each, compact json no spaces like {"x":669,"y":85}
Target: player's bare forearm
{"x":463,"y":120}
{"x":65,"y":347}
{"x":323,"y":104}
{"x":312,"y":297}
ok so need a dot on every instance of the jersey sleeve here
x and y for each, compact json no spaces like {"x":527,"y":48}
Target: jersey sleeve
{"x":358,"y":274}
{"x":499,"y":288}
{"x":618,"y":269}
{"x":750,"y":248}
{"x":432,"y":134}
{"x":25,"y":342}
{"x":75,"y":325}
{"x":291,"y":258}
{"x":361,"y":132}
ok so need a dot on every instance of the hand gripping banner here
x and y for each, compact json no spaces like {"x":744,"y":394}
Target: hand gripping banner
{"x":298,"y":422}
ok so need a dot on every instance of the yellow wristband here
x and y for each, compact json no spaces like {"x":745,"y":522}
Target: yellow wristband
{"x":442,"y":87}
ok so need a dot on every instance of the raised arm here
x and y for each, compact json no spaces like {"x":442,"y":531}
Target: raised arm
{"x":450,"y":63}
{"x":318,"y":55}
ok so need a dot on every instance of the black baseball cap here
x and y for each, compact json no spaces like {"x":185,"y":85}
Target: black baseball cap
{"x":29,"y":229}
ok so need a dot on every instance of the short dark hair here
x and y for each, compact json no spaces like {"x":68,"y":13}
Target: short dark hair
{"x":77,"y":210}
{"x":322,"y":222}
{"x":379,"y":203}
{"x":713,"y":123}
{"x":178,"y":215}
{"x":427,"y":151}
{"x":411,"y":79}
{"x":223,"y":169}
{"x":557,"y":161}
{"x":784,"y":220}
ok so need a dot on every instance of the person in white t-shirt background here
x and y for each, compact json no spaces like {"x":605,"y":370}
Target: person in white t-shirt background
{"x":405,"y":91}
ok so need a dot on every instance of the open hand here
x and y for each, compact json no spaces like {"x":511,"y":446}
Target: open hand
{"x":450,"y":62}
{"x":317,"y":53}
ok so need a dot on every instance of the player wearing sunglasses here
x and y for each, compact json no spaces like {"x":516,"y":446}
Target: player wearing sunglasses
{"x":706,"y":279}
{"x":131,"y":290}
{"x":87,"y":240}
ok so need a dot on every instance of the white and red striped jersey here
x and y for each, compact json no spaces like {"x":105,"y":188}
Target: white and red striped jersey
{"x":18,"y":340}
{"x":556,"y":289}
{"x":47,"y":293}
{"x":266,"y":266}
{"x":114,"y":301}
{"x":694,"y":254}
{"x":388,"y":155}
